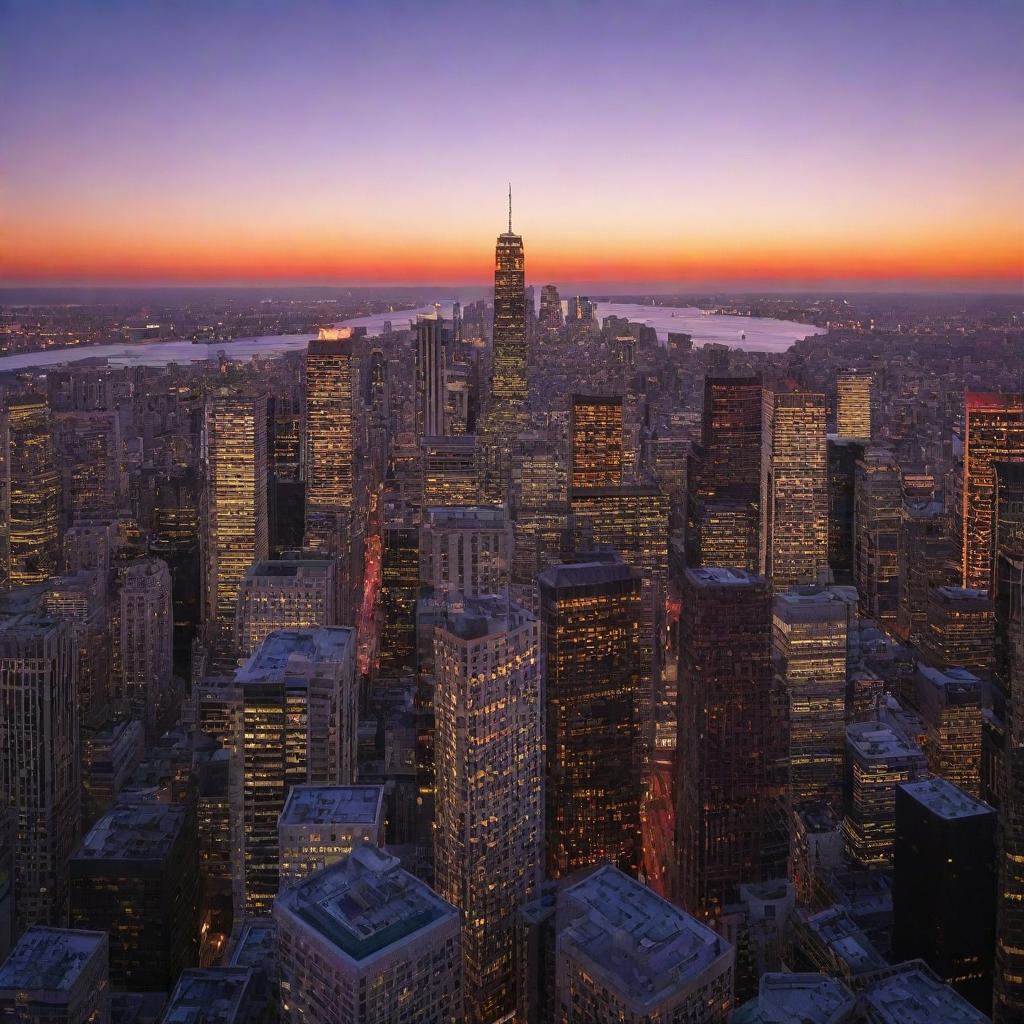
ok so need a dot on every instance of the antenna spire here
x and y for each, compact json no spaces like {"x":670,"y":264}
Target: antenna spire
{"x":510,"y":207}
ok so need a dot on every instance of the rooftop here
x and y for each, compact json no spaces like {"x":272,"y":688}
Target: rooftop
{"x":913,"y":995}
{"x":634,"y":940}
{"x":945,"y":799}
{"x":316,"y":805}
{"x":50,"y":959}
{"x":786,"y":998}
{"x":836,"y":929}
{"x":588,"y":574}
{"x":285,"y":648}
{"x":136,"y":832}
{"x":718,"y":576}
{"x":875,"y":741}
{"x":213,"y":995}
{"x":364,"y":903}
{"x":477,"y":617}
{"x":296,"y":567}
{"x":466,"y":517}
{"x":256,"y":945}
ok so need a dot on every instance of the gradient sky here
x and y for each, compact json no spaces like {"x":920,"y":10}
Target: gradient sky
{"x":775,"y":143}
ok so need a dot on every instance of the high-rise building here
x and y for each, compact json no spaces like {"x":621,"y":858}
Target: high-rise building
{"x":29,"y":494}
{"x":364,"y":942}
{"x":878,"y":506}
{"x":488,"y":825}
{"x":465,"y":550}
{"x":944,"y":885}
{"x":590,"y":625}
{"x":551,"y":318}
{"x":854,"y":394}
{"x":431,"y":374}
{"x":399,"y":585}
{"x":960,"y":627}
{"x":56,"y":975}
{"x":877,"y":759}
{"x":724,"y":475}
{"x":949,"y":702}
{"x":451,"y":470}
{"x":322,"y":824}
{"x":291,"y":592}
{"x":136,"y":877}
{"x":299,"y":715}
{"x":91,"y":463}
{"x":508,"y":383}
{"x":809,"y":642}
{"x":928,"y":557}
{"x":725,"y":679}
{"x":843,"y":456}
{"x":794,"y":488}
{"x":219,"y":995}
{"x":539,"y":500}
{"x":40,"y":760}
{"x":596,"y":441}
{"x":147,"y":626}
{"x":993,"y":432}
{"x":235,"y":515}
{"x":626,"y":954}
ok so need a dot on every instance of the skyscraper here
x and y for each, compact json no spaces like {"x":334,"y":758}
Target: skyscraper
{"x":431,"y":374}
{"x":725,"y":679}
{"x":724,"y":473}
{"x":551,"y":318}
{"x":878,"y":506}
{"x":40,"y":760}
{"x":147,"y":625}
{"x":236,"y":524}
{"x":365,"y":942}
{"x":465,"y":550}
{"x":993,"y":432}
{"x":794,"y":488}
{"x":843,"y":456}
{"x":854,"y":393}
{"x":29,"y":494}
{"x":590,"y":621}
{"x":488,"y":831}
{"x":596,"y":441}
{"x":950,"y":706}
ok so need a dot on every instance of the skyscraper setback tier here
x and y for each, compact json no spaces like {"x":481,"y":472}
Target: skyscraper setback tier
{"x":725,"y":678}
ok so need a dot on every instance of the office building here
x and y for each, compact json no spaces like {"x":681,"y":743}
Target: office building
{"x":57,"y":976}
{"x":626,"y":954}
{"x":539,"y":505}
{"x":854,"y":400}
{"x":794,"y":488}
{"x":465,"y":550}
{"x":508,"y":380}
{"x":878,"y":758}
{"x":29,"y":494}
{"x":218,"y":995}
{"x":431,"y":374}
{"x":993,"y":432}
{"x":809,"y":648}
{"x":451,"y":468}
{"x":949,"y":702}
{"x":291,"y":592}
{"x":928,"y":557}
{"x":910,"y":993}
{"x":321,"y":824}
{"x":146,"y":652}
{"x":960,"y":629}
{"x":40,"y":760}
{"x":551,"y":318}
{"x":235,"y":514}
{"x":488,"y":824}
{"x":725,"y":679}
{"x":136,"y":877}
{"x":807,"y":998}
{"x":299,"y":716}
{"x":878,"y":507}
{"x":364,"y":942}
{"x":399,"y":586}
{"x":91,"y":460}
{"x":944,"y":885}
{"x":596,"y":441}
{"x":590,"y":642}
{"x":724,"y":476}
{"x":843,"y":456}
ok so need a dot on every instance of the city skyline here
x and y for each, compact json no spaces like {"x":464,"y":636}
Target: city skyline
{"x":787,"y":146}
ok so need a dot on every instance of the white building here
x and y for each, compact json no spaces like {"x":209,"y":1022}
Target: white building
{"x":364,"y":942}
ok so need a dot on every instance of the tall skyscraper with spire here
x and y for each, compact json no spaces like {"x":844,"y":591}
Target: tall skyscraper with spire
{"x":508,"y":382}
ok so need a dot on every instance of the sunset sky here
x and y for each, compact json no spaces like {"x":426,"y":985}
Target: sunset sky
{"x":763,"y":143}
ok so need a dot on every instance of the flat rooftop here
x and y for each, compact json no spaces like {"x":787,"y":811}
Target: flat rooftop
{"x":838,"y":931}
{"x":256,"y":945}
{"x":785,"y":998}
{"x":294,"y":568}
{"x":213,"y":995}
{"x":50,"y":959}
{"x":945,"y":800}
{"x":718,"y":576}
{"x":913,"y":995}
{"x":133,"y":832}
{"x":635,"y":941}
{"x":331,"y":805}
{"x":588,"y":574}
{"x":876,"y":741}
{"x":465,"y":517}
{"x":481,"y":616}
{"x":802,"y":604}
{"x":318,"y":645}
{"x":364,"y":904}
